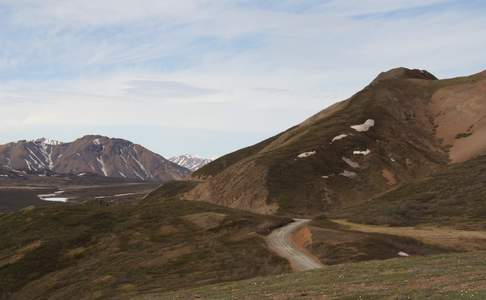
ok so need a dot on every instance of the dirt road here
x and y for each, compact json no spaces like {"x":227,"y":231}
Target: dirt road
{"x":280,"y":242}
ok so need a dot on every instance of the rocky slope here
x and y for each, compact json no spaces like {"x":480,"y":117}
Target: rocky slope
{"x":403,"y":126}
{"x":190,"y":162}
{"x":94,"y":154}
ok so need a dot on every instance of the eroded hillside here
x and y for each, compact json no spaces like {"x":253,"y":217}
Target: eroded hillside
{"x":397,"y":129}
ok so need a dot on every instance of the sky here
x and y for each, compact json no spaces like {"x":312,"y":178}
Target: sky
{"x":209,"y":77}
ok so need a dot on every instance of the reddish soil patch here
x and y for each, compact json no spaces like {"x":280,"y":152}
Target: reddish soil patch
{"x":460,"y":117}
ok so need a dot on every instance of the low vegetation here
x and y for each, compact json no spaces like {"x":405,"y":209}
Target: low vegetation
{"x":453,"y":198}
{"x":160,"y":244}
{"x":449,"y":276}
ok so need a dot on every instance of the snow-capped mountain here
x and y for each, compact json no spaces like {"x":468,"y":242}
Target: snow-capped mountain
{"x":190,"y":162}
{"x":95,"y":154}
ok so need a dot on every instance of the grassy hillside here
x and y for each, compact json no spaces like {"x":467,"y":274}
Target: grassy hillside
{"x":452,"y":276}
{"x":399,"y":147}
{"x":454,"y":197}
{"x":161,"y":244}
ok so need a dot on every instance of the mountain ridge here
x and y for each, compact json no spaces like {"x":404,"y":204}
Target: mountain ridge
{"x":387,"y":134}
{"x":97,"y":154}
{"x":189,"y":161}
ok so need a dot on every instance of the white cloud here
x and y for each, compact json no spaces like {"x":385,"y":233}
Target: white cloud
{"x":165,"y":89}
{"x":213,"y":64}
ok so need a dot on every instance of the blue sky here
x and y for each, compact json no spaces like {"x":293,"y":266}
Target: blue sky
{"x":208,"y":77}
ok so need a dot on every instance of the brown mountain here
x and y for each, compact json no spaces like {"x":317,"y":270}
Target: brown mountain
{"x":95,"y":154}
{"x":405,"y":125}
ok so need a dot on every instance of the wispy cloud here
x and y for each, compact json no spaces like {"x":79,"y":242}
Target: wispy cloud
{"x":245,"y":66}
{"x":166,"y":89}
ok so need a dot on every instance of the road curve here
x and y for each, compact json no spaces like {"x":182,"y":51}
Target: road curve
{"x":279,"y":241}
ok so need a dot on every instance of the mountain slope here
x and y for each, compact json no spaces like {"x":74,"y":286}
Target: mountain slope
{"x":100,"y":155}
{"x":190,"y":162}
{"x":389,"y":133}
{"x":453,"y":197}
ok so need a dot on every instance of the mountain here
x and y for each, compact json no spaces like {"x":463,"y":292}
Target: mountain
{"x":405,"y":125}
{"x":190,"y":162}
{"x":109,"y":157}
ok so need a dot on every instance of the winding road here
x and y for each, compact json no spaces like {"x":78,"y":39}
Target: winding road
{"x":281,"y":243}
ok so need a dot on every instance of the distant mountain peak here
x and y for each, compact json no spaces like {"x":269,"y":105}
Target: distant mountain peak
{"x":109,"y":157}
{"x":47,"y":141}
{"x":190,"y":161}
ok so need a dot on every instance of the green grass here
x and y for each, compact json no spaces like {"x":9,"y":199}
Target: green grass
{"x":454,"y":197}
{"x":91,"y":251}
{"x":452,"y":276}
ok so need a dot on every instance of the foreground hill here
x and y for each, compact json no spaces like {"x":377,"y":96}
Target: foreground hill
{"x":452,"y":276}
{"x":403,"y":126}
{"x":160,"y":244}
{"x":94,"y":154}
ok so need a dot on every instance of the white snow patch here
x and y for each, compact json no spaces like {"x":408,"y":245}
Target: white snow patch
{"x":52,"y":197}
{"x":123,"y":195}
{"x":365,"y":126}
{"x":3,"y":175}
{"x":348,"y":174}
{"x":339,"y":137}
{"x":392,"y":159}
{"x":81,"y":174}
{"x":121,"y":174}
{"x":306,"y":154}
{"x":366,"y":152}
{"x":138,"y":175}
{"x":325,"y":177}
{"x":147,"y":174}
{"x":403,"y":254}
{"x":102,"y":163}
{"x":350,"y":163}
{"x":37,"y":160}
{"x":96,"y":142}
{"x":28,"y":164}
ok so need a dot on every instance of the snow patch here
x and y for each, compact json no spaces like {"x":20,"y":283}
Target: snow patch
{"x":350,"y":163}
{"x":348,"y":174}
{"x":365,"y":126}
{"x":366,"y":152}
{"x":102,"y":164}
{"x":339,"y":137}
{"x":403,"y":254}
{"x":28,"y":164}
{"x":147,"y":174}
{"x":96,"y":142}
{"x":52,"y":197}
{"x":306,"y":154}
{"x":123,"y":195}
